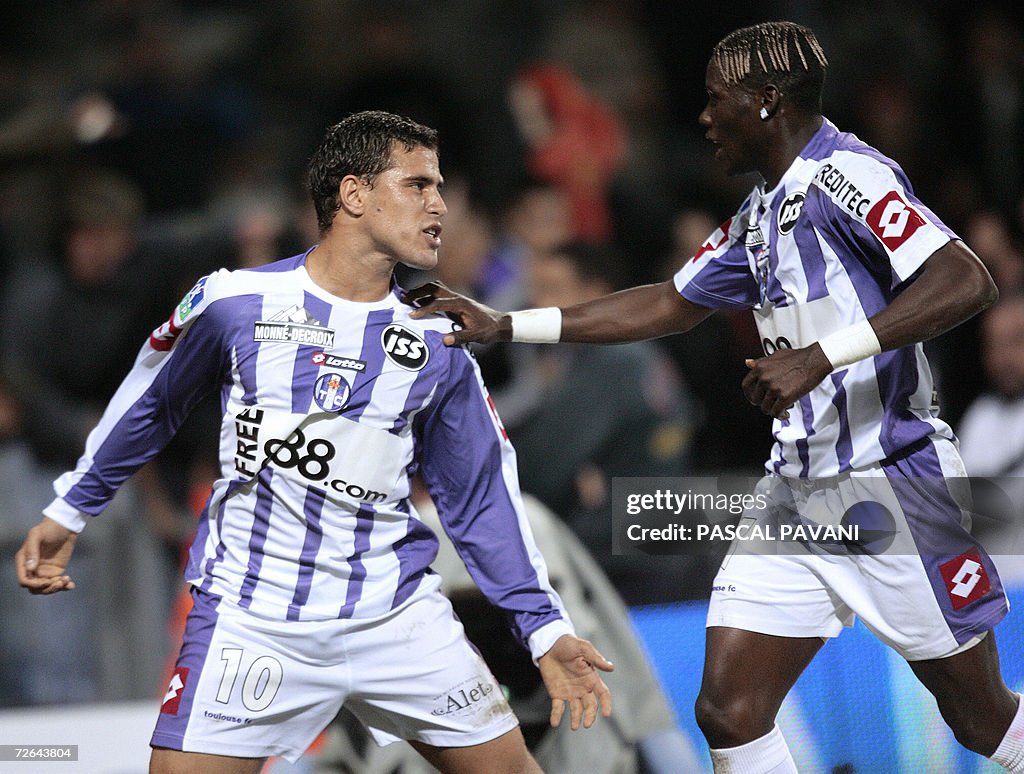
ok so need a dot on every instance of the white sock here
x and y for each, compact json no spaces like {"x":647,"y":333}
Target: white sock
{"x":767,"y":755}
{"x":1010,"y":753}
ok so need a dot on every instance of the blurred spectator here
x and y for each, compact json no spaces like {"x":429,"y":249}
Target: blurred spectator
{"x":536,"y":221}
{"x":730,"y":434}
{"x":486,"y":256}
{"x":69,"y":332}
{"x":992,"y":430}
{"x":173,"y":74}
{"x":991,"y":235}
{"x":990,"y":107}
{"x":491,"y":258}
{"x":893,"y":98}
{"x":597,"y":413}
{"x":573,"y":141}
{"x":83,"y":315}
{"x":260,"y":224}
{"x":956,"y":355}
{"x":604,"y":44}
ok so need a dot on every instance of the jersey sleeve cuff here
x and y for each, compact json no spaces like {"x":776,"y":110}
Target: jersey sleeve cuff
{"x":922,"y":247}
{"x":542,"y":640}
{"x":65,"y":515}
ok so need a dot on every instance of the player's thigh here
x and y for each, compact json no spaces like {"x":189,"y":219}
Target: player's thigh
{"x":249,"y":687}
{"x":505,"y":755}
{"x":751,"y":670}
{"x":785,"y":596}
{"x":972,"y":697}
{"x":416,"y":677}
{"x":970,"y":679}
{"x":165,"y":761}
{"x":768,"y":616}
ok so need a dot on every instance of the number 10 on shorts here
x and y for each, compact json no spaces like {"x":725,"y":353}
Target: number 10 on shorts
{"x":260,"y":684}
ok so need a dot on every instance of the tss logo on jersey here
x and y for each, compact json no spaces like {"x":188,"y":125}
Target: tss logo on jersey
{"x":789,"y":212}
{"x":404,"y":348}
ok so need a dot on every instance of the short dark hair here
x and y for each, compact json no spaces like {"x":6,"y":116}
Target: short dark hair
{"x":781,"y":52}
{"x":359,"y":145}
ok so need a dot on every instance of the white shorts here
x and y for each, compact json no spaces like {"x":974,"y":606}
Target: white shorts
{"x":251,"y":687}
{"x":928,"y":592}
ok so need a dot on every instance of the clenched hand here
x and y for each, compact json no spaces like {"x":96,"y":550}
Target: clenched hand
{"x":774,"y":383}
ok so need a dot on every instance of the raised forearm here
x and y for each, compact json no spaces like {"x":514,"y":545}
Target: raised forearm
{"x":639,"y":313}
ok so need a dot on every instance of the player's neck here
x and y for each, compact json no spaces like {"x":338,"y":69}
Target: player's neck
{"x":353,"y":278}
{"x":792,"y":139}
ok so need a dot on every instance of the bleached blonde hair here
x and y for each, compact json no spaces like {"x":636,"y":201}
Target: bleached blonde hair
{"x":781,"y":51}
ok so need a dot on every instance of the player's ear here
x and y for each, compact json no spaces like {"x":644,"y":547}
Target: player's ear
{"x":769,"y":99}
{"x":352,"y":194}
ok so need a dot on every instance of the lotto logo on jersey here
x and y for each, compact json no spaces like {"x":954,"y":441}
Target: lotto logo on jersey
{"x":966,"y":579}
{"x":404,"y":348}
{"x":893,"y":220}
{"x":175,"y":688}
{"x":715,"y":241}
{"x":163,"y":338}
{"x":333,"y":361}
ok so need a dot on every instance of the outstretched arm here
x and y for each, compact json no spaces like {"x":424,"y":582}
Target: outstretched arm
{"x":639,"y":313}
{"x":469,"y":467}
{"x":953,"y":287}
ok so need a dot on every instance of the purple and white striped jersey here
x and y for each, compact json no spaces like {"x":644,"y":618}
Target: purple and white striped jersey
{"x":329,"y":408}
{"x":831,"y":245}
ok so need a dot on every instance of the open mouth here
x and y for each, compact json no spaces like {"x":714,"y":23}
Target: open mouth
{"x":434,"y":233}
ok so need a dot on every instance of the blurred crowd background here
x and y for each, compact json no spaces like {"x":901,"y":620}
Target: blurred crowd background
{"x":144,"y":143}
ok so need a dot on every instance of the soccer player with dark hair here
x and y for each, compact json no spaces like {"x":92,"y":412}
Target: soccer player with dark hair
{"x":846,"y":273}
{"x":310,"y":570}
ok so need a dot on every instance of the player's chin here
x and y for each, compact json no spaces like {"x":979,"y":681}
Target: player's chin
{"x":735,"y":167}
{"x":425,"y":260}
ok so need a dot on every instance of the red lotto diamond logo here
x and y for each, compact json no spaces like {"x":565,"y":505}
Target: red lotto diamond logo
{"x":174,"y":690}
{"x":713,"y":242}
{"x":966,"y":579}
{"x":893,"y":220}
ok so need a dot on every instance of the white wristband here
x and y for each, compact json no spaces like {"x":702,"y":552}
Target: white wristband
{"x":850,"y":344}
{"x":537,"y":326}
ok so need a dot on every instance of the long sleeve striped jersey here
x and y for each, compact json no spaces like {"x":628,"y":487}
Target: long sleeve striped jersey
{"x":329,"y":408}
